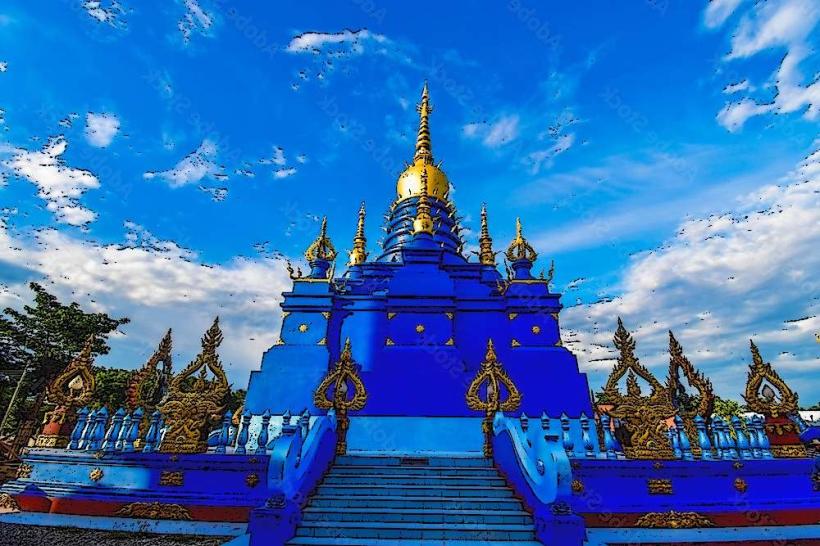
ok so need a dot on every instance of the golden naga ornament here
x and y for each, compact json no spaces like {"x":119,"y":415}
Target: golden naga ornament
{"x":149,"y":385}
{"x":343,"y":390}
{"x":359,"y":253}
{"x":486,"y":256}
{"x":491,"y":378}
{"x":519,"y":248}
{"x":705,"y":401}
{"x":194,"y":403}
{"x":73,"y":388}
{"x":644,"y":417}
{"x":760,"y":397}
{"x":322,"y":248}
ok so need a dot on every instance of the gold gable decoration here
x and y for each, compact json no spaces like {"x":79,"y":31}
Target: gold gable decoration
{"x":322,"y":248}
{"x":767,"y":404}
{"x":335,"y":392}
{"x":520,"y":248}
{"x":644,"y":417}
{"x":683,"y":403}
{"x":76,"y":384}
{"x":148,"y":386}
{"x":194,"y":402}
{"x":491,"y":377}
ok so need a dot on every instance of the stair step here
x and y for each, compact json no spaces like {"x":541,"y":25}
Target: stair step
{"x":413,"y":531}
{"x":415,"y":490}
{"x":313,"y":541}
{"x":412,"y":461}
{"x":415,"y":515}
{"x":410,"y":501}
{"x":383,"y":470}
{"x":413,"y":479}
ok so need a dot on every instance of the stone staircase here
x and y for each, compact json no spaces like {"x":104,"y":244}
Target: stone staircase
{"x":376,"y":501}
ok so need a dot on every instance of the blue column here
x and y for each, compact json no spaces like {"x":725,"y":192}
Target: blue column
{"x":242,"y":436}
{"x":703,"y":438}
{"x":569,"y":445}
{"x":98,"y":434}
{"x":124,"y":429}
{"x":132,"y":434}
{"x":589,"y":450}
{"x":304,"y":423}
{"x":672,"y":433}
{"x":77,"y":433}
{"x":754,"y":441}
{"x":152,"y":436}
{"x":262,"y":440}
{"x":685,"y":445}
{"x":224,"y":433}
{"x":609,"y":441}
{"x":742,"y":439}
{"x":765,"y":446}
{"x":525,"y":422}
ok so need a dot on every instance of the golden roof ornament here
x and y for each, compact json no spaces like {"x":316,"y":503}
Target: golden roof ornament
{"x":335,"y":392}
{"x":486,"y":256}
{"x":491,"y":378}
{"x":409,"y":183}
{"x":768,"y":404}
{"x":194,"y":402}
{"x":76,"y":384}
{"x":423,"y":222}
{"x":688,"y":407}
{"x":359,"y":253}
{"x":644,"y":416}
{"x":321,"y":249}
{"x":519,"y":248}
{"x":148,"y":386}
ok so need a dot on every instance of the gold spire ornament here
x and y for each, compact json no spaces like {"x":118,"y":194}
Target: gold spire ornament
{"x":644,"y":417}
{"x":688,"y":407}
{"x":486,"y":256}
{"x":409,"y":184}
{"x":491,"y":377}
{"x":321,"y":249}
{"x":423,"y":222}
{"x":194,"y":402}
{"x":519,"y":248}
{"x":767,"y":404}
{"x":359,"y":253}
{"x":333,"y":392}
{"x":148,"y":386}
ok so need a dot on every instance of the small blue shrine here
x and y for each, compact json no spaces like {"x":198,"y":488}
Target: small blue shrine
{"x":423,"y":397}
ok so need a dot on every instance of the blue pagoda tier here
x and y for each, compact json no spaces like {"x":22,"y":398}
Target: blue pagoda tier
{"x":424,"y":397}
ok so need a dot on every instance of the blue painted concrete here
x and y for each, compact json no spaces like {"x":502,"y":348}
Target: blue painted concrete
{"x":125,"y":525}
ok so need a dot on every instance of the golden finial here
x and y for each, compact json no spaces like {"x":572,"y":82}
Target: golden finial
{"x":424,"y":148}
{"x":359,"y":253}
{"x":321,"y":248}
{"x":519,"y":248}
{"x":423,"y":222}
{"x":485,"y":243}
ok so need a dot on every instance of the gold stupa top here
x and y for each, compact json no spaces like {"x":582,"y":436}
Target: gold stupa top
{"x":409,"y":184}
{"x":359,"y":253}
{"x":423,"y":222}
{"x":486,"y":256}
{"x":321,"y":248}
{"x":519,"y":248}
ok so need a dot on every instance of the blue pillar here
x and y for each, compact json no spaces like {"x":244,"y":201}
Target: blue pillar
{"x":242,"y":436}
{"x":77,"y":433}
{"x":569,"y":445}
{"x":703,"y":438}
{"x":685,"y":445}
{"x":152,"y":436}
{"x":262,"y":440}
{"x":609,"y":441}
{"x":224,"y":433}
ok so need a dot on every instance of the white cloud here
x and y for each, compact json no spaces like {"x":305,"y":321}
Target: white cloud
{"x":197,"y":165}
{"x":541,"y":158}
{"x":59,"y":185}
{"x":781,"y":24}
{"x":503,"y":131}
{"x":718,"y":11}
{"x":157,"y":284}
{"x":4,"y":66}
{"x":352,"y":40}
{"x":195,"y":19}
{"x":100,"y":129}
{"x":720,"y":281}
{"x":284,"y":173}
{"x":105,"y":12}
{"x":744,"y":85}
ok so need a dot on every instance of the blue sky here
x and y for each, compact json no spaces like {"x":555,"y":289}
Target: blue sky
{"x":160,"y":159}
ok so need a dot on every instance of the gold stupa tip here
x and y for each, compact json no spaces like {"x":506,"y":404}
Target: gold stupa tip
{"x":409,"y":184}
{"x":359,"y":253}
{"x":520,"y":248}
{"x":322,"y":248}
{"x":486,"y":256}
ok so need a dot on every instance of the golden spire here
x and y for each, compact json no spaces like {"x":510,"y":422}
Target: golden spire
{"x":359,"y":253}
{"x":486,"y":256}
{"x":519,"y":248}
{"x":409,"y":184}
{"x":321,"y":248}
{"x":423,"y":222}
{"x":424,"y":149}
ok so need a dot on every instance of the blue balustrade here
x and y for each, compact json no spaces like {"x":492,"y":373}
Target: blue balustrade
{"x":589,"y":449}
{"x":742,"y":439}
{"x":304,"y":423}
{"x":109,"y":446}
{"x":674,"y":440}
{"x":133,"y":432}
{"x":765,"y":446}
{"x":569,"y":445}
{"x":683,"y":439}
{"x":79,"y":427}
{"x":243,"y":435}
{"x":262,"y":439}
{"x":124,"y":429}
{"x":754,"y":441}
{"x":224,"y":433}
{"x":153,"y":434}
{"x":545,"y":421}
{"x":703,"y":438}
{"x":525,"y":421}
{"x":97,"y":434}
{"x":609,"y":440}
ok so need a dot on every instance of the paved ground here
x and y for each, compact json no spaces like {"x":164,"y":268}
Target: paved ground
{"x":27,"y":535}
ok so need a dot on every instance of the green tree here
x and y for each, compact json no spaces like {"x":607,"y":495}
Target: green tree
{"x":111,"y":385}
{"x":45,"y":336}
{"x":728,"y":408}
